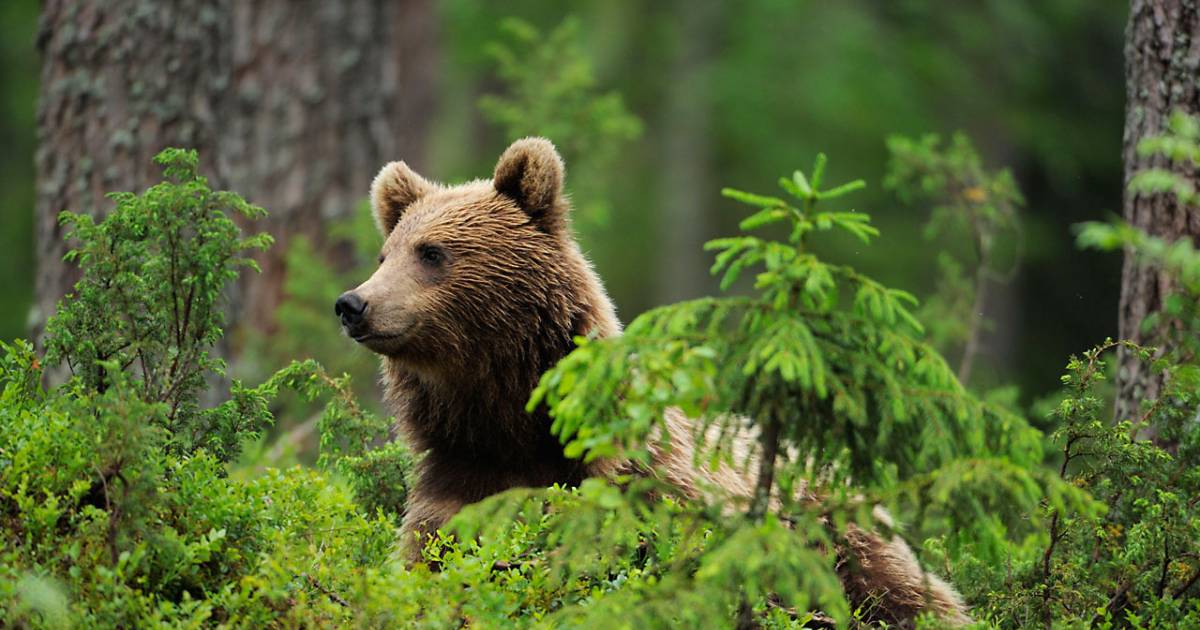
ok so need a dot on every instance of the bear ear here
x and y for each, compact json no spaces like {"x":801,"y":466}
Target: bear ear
{"x":530,"y":172}
{"x":395,"y":188}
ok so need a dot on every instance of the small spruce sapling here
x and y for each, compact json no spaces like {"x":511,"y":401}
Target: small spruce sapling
{"x":828,"y":368}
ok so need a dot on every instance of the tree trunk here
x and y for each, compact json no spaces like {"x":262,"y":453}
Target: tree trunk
{"x":323,"y":94}
{"x":120,"y":80}
{"x":688,"y":185}
{"x":1162,"y":56}
{"x":293,"y":104}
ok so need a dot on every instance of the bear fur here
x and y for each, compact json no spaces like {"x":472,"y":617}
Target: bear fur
{"x":481,"y":288}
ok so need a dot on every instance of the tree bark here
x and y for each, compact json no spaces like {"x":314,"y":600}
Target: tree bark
{"x":293,"y":104}
{"x":120,"y":80}
{"x":323,"y":94}
{"x":1162,"y":56}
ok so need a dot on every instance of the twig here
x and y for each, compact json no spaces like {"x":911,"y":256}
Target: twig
{"x":1187,"y":585}
{"x":334,"y":597}
{"x":1116,"y":602}
{"x":1055,"y":536}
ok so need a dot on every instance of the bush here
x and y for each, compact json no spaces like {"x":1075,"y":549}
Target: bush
{"x":828,"y":368}
{"x":120,"y":505}
{"x":116,"y":503}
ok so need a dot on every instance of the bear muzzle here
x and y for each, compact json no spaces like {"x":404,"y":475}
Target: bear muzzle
{"x":351,"y":311}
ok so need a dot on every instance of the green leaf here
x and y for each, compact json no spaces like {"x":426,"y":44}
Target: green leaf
{"x":762,"y":201}
{"x":818,"y":171}
{"x":842,"y":190}
{"x":806,"y":190}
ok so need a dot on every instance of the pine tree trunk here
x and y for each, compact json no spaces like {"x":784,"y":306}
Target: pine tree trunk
{"x":323,"y":94}
{"x":293,"y":104}
{"x":687,"y":142}
{"x":120,"y":80}
{"x":1162,"y":56}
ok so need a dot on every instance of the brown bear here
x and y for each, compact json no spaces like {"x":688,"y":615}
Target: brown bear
{"x":481,"y":288}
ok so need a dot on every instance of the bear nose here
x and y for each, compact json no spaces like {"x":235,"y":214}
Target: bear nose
{"x":349,"y":308}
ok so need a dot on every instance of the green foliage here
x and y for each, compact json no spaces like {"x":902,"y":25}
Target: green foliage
{"x":551,"y":91}
{"x":828,"y":367}
{"x":149,"y":298}
{"x":119,"y":505}
{"x":379,"y":477}
{"x":1181,"y":145}
{"x":115,"y":501}
{"x":1179,"y":317}
{"x":842,"y":350}
{"x":1137,"y":562}
{"x":975,"y":214}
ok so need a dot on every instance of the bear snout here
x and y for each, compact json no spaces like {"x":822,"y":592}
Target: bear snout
{"x":350,"y":308}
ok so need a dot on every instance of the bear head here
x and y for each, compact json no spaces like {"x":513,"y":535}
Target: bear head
{"x":478,"y":275}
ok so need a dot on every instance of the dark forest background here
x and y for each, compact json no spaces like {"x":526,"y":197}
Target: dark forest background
{"x":729,"y":94}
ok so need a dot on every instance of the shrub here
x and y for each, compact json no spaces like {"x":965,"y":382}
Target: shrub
{"x":828,"y":368}
{"x":1137,"y":562}
{"x":116,"y":503}
{"x":120,"y":507}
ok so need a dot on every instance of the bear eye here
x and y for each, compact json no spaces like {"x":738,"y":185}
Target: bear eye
{"x":431,"y":255}
{"x":382,"y":258}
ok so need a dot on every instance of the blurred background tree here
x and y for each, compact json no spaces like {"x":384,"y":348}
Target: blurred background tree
{"x":18,"y":98}
{"x":294,"y":103}
{"x":298,"y":114}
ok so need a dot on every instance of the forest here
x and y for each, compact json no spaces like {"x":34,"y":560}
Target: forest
{"x":906,"y":331}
